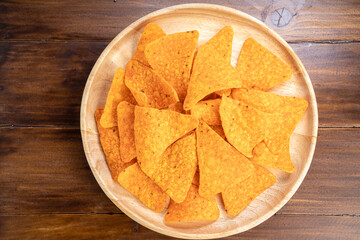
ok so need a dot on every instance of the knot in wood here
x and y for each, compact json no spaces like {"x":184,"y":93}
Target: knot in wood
{"x":281,"y":17}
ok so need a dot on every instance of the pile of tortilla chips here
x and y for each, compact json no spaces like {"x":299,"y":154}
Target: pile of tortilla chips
{"x":182,"y":123}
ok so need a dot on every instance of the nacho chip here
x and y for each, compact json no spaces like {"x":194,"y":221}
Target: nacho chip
{"x":207,"y":111}
{"x":174,"y":170}
{"x":259,"y":68}
{"x":151,"y":32}
{"x":269,"y":102}
{"x":118,"y":92}
{"x":177,"y":107}
{"x":238,"y":197}
{"x":172,"y":56}
{"x":289,"y":110}
{"x":156,"y":130}
{"x":222,"y":41}
{"x":148,"y":88}
{"x":264,"y":157}
{"x":220,"y":164}
{"x":109,"y":139}
{"x":193,"y":208}
{"x":244,"y":126}
{"x":126,"y":116}
{"x":210,"y":73}
{"x":141,"y":186}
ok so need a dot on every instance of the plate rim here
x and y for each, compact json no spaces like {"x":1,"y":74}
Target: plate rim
{"x":206,"y":6}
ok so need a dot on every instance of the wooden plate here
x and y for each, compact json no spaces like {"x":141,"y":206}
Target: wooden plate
{"x":207,"y":19}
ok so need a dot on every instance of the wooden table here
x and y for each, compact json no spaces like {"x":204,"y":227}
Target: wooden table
{"x":47,"y":50}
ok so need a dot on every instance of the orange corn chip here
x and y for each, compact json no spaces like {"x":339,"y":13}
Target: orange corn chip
{"x":148,"y":88}
{"x":193,"y":208}
{"x":151,"y":32}
{"x":220,"y":164}
{"x":177,"y":107}
{"x":126,"y":116}
{"x":222,"y":42}
{"x":156,"y":130}
{"x":207,"y":111}
{"x":263,"y":156}
{"x":210,"y":73}
{"x":238,"y":197}
{"x":172,"y":56}
{"x":174,"y":170}
{"x":118,"y":92}
{"x":259,"y":68}
{"x":109,"y":139}
{"x":289,"y":110}
{"x":141,"y":186}
{"x":244,"y":126}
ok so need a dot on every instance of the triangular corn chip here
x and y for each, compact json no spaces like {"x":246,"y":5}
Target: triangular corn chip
{"x":289,"y":110}
{"x":264,"y":157}
{"x":207,"y":111}
{"x":244,"y":126}
{"x":220,"y":164}
{"x":238,"y":197}
{"x":259,"y":68}
{"x":118,"y":92}
{"x":222,"y":41}
{"x":156,"y":130}
{"x":193,"y":208}
{"x":151,"y":32}
{"x":148,"y":88}
{"x":109,"y":139}
{"x":126,"y":116}
{"x":210,"y":73}
{"x":172,"y":56}
{"x":174,"y":170}
{"x":141,"y":186}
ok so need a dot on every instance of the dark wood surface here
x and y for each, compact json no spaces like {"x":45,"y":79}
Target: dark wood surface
{"x":47,"y":50}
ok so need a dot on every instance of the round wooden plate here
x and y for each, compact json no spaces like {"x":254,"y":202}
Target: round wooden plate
{"x":208,"y":20}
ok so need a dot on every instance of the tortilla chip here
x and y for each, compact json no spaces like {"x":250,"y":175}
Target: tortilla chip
{"x":210,"y":73}
{"x":141,"y":186}
{"x":174,"y":170}
{"x":259,"y":68}
{"x":207,"y":111}
{"x":238,"y":197}
{"x":156,"y":130}
{"x":109,"y":139}
{"x":126,"y":116}
{"x":118,"y":92}
{"x":264,"y":157}
{"x":222,"y":41}
{"x":289,"y":110}
{"x":148,"y":88}
{"x":193,"y":208}
{"x":219,"y":130}
{"x":217,"y":161}
{"x":172,"y":56}
{"x":151,"y":32}
{"x":244,"y":126}
{"x":177,"y":107}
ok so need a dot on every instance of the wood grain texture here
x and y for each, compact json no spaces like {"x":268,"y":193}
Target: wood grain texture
{"x":121,"y":227}
{"x":43,"y":85}
{"x":103,"y":20}
{"x":45,"y":171}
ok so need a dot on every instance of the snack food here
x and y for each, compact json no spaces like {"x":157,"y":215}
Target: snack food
{"x":180,"y":139}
